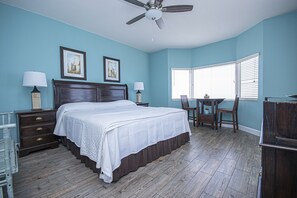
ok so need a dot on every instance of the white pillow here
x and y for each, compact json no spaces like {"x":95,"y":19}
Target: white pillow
{"x":95,"y":105}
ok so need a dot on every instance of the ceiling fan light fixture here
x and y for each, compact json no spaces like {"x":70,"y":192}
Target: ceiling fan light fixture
{"x":153,"y":14}
{"x":154,"y":10}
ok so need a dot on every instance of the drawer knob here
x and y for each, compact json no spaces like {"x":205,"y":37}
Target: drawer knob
{"x":39,"y":129}
{"x":39,"y":139}
{"x":38,"y":118}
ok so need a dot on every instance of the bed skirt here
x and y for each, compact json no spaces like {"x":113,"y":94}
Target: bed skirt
{"x":134,"y":161}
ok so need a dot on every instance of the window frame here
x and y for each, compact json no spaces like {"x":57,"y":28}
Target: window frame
{"x":237,"y":76}
{"x":190,"y":81}
{"x":216,"y":65}
{"x":238,"y":80}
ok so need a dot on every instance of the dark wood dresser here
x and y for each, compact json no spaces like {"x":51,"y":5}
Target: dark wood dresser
{"x":36,"y":130}
{"x":279,"y":150}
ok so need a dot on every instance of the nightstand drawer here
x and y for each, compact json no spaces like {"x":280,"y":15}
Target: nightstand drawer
{"x":29,"y":119}
{"x":37,"y":140}
{"x":34,"y":130}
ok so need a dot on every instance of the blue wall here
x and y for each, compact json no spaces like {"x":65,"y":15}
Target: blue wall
{"x":31,"y":42}
{"x":159,"y":78}
{"x":219,"y":52}
{"x":280,"y":55}
{"x":161,"y":63}
{"x":248,"y":43}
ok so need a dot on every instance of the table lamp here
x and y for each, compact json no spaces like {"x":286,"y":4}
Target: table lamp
{"x":137,"y":87}
{"x":35,"y":79}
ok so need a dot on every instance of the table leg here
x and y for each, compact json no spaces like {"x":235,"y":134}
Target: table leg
{"x":197,"y":113}
{"x":216,"y":118}
{"x":194,"y":118}
{"x":216,"y":121}
{"x":213,"y":115}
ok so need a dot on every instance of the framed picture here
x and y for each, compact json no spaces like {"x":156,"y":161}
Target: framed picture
{"x":73,"y":63}
{"x":111,"y":69}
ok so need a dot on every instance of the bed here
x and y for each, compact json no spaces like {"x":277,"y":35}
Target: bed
{"x":110,"y":134}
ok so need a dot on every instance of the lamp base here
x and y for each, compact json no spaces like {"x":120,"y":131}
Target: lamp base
{"x":36,"y":99}
{"x":138,"y":97}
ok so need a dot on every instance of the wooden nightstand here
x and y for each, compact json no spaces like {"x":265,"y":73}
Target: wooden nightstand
{"x":36,"y":130}
{"x":144,"y":104}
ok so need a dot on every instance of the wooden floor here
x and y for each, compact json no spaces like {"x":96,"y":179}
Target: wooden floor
{"x":213,"y":164}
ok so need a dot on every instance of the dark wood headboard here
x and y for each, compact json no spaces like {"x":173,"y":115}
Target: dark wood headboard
{"x":73,"y":91}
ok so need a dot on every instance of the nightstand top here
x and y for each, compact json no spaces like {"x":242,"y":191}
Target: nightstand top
{"x":142,"y":104}
{"x":34,"y":111}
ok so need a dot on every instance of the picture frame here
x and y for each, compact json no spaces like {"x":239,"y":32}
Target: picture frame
{"x":73,"y":63}
{"x":112,"y":71}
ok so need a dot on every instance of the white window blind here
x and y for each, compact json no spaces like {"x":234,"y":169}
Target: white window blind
{"x":216,"y":81}
{"x":180,"y":82}
{"x":249,"y":77}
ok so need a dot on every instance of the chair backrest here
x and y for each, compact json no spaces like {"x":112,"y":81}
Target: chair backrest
{"x":236,"y":101}
{"x":184,"y":101}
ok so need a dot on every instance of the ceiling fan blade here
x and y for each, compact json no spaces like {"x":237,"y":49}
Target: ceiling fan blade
{"x":135,"y":19}
{"x":160,"y":23}
{"x":135,"y":2}
{"x":177,"y":8}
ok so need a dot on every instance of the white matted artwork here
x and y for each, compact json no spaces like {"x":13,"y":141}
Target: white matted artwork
{"x":111,"y":69}
{"x":73,"y":63}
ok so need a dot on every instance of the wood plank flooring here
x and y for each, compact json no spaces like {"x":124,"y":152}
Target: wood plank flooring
{"x":213,"y":164}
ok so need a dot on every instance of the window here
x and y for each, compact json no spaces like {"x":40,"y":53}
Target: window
{"x":219,"y":81}
{"x":215,"y":81}
{"x":248,"y":77}
{"x":180,"y":82}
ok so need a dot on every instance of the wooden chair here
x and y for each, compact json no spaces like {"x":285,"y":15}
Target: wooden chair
{"x":185,"y":106}
{"x":233,"y":112}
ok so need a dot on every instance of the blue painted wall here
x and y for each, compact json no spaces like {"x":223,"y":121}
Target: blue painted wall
{"x":31,"y":42}
{"x":180,"y":58}
{"x":219,"y":52}
{"x":159,"y":78}
{"x":248,"y":43}
{"x":280,"y":55}
{"x":161,"y":63}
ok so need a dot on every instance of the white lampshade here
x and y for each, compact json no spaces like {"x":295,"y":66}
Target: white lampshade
{"x":138,"y":86}
{"x":32,"y":79}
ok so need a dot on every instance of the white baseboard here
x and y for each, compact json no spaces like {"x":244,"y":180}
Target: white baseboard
{"x":244,"y":128}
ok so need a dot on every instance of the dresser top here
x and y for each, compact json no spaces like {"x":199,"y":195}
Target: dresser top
{"x":28,"y":111}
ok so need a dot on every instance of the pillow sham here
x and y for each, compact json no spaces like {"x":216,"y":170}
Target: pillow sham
{"x":95,"y":105}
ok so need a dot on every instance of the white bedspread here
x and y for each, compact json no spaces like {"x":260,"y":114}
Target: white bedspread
{"x":108,"y":132}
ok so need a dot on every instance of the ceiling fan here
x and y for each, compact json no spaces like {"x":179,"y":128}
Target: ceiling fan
{"x":154,"y":10}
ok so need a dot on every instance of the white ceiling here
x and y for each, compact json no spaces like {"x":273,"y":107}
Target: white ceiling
{"x":210,"y":21}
